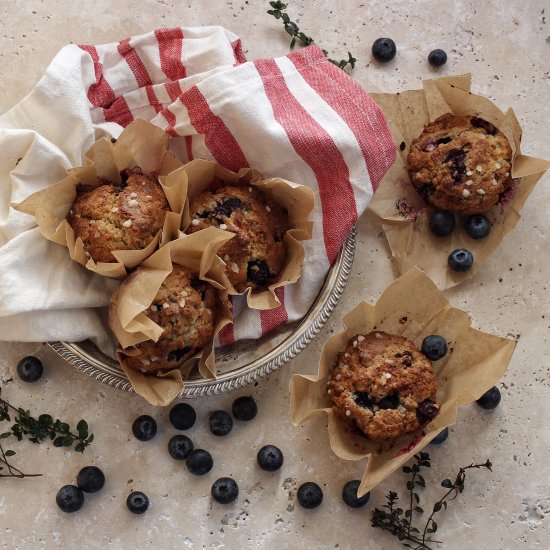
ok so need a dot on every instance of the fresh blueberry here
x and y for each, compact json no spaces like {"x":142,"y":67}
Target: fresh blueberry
{"x":30,"y":369}
{"x":179,"y":447}
{"x":383,"y":49}
{"x":199,"y":462}
{"x":437,"y":58}
{"x":137,"y":502}
{"x":477,"y":226}
{"x":460,"y":260}
{"x":70,"y":498}
{"x":349,"y":494}
{"x":182,"y":416}
{"x":490,"y":399}
{"x":224,"y":490}
{"x":310,"y":495}
{"x":221,"y":423}
{"x":434,"y":347}
{"x":442,"y":223}
{"x":90,"y":479}
{"x":244,"y":408}
{"x":144,"y":427}
{"x":440,"y":437}
{"x":270,"y":458}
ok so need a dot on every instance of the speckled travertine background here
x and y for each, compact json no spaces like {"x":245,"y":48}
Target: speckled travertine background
{"x":506,"y":46}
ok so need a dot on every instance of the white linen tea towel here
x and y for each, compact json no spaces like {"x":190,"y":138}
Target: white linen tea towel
{"x":298,"y":117}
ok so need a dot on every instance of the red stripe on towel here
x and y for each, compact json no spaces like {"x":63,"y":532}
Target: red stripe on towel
{"x":170,"y":48}
{"x":217,"y":136}
{"x":317,"y":148}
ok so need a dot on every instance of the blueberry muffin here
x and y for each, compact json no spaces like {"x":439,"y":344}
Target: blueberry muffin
{"x":118,"y":216}
{"x":184,"y":307}
{"x":256,"y":255}
{"x":383,"y":385}
{"x":461,"y":163}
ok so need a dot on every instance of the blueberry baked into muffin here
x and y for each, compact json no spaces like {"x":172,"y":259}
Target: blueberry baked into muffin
{"x":184,"y":307}
{"x":383,"y":385}
{"x":256,"y":255}
{"x":118,"y":216}
{"x":461,"y":163}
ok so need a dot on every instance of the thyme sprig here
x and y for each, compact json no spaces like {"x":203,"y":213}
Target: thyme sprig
{"x":400,"y":523}
{"x":298,"y":36}
{"x":37,"y":429}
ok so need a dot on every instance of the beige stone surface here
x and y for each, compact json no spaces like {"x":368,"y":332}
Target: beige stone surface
{"x":506,"y":46}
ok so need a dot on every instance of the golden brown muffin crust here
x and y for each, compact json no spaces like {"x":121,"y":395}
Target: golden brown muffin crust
{"x":119,"y":217}
{"x":184,"y":307}
{"x":256,"y":255}
{"x":461,"y":163}
{"x":384,"y":385}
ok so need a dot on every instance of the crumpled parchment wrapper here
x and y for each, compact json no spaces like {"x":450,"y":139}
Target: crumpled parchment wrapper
{"x":298,"y":201}
{"x":403,"y":213}
{"x":140,"y":144}
{"x":136,"y":293}
{"x":413,"y":307}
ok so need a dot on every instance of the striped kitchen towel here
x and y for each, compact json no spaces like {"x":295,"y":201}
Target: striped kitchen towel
{"x":298,"y":117}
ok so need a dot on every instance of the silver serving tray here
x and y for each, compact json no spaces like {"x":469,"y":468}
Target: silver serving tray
{"x":242,"y":362}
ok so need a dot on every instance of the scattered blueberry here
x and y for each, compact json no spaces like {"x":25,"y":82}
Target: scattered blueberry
{"x":383,"y":49}
{"x":137,"y":502}
{"x":221,"y":423}
{"x":90,"y":479}
{"x":270,"y":458}
{"x":460,"y":260}
{"x":224,"y":490}
{"x":30,"y":369}
{"x":309,"y":495}
{"x":437,"y":58}
{"x":244,"y":408}
{"x":182,"y":416}
{"x":179,"y":447}
{"x":434,"y":347}
{"x":440,"y":437}
{"x":490,"y":399}
{"x":477,"y":226}
{"x":144,"y":427}
{"x":70,"y":498}
{"x":442,"y":223}
{"x":349,"y":494}
{"x":199,"y":462}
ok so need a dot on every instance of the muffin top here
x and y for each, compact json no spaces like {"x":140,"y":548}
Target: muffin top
{"x":125,"y":216}
{"x":184,"y":307}
{"x":255,"y":256}
{"x":383,"y":385}
{"x":461,"y":163}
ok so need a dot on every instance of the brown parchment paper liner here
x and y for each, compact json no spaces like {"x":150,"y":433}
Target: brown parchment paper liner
{"x":411,"y":306}
{"x":297,"y":199}
{"x":140,"y":144}
{"x":131,"y":326}
{"x":403,"y":213}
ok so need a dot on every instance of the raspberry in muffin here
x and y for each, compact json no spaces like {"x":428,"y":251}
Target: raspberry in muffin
{"x":184,"y":307}
{"x":119,"y":216}
{"x":383,"y":385}
{"x":256,"y":255}
{"x":461,"y":163}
